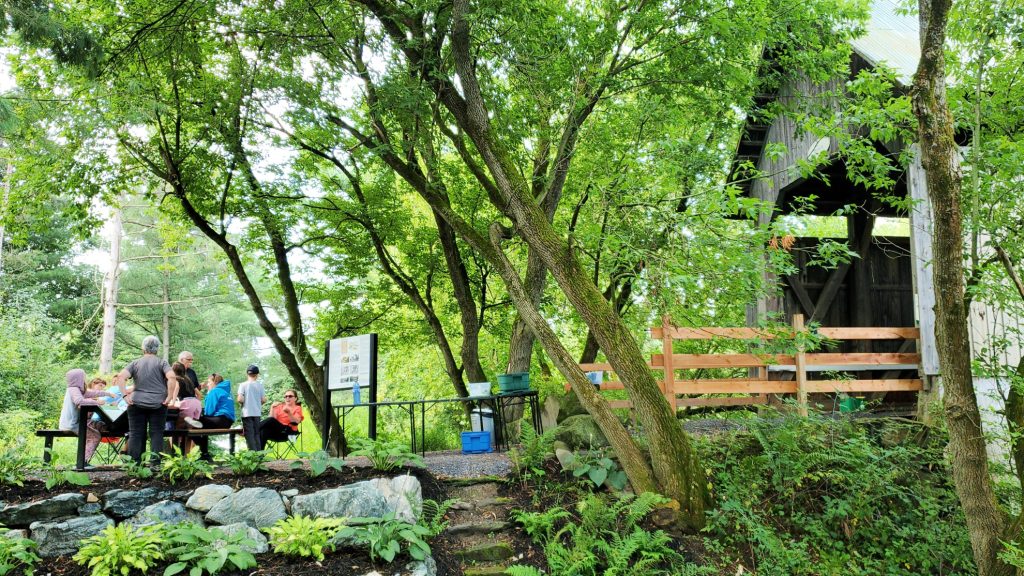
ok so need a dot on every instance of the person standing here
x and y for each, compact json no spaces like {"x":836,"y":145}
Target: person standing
{"x":218,"y":412}
{"x":155,"y":387}
{"x":284,"y":420}
{"x":251,"y":396}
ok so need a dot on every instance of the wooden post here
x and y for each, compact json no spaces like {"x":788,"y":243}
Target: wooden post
{"x":801,"y":371}
{"x":669,"y":381}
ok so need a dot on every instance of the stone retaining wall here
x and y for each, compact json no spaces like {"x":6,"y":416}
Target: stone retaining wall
{"x":60,"y":523}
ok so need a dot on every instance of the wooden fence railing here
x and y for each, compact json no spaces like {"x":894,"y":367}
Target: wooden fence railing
{"x":800,"y":364}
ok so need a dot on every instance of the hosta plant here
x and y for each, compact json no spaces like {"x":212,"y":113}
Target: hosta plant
{"x":303,"y":536}
{"x":123,"y":549}
{"x":208,"y":550}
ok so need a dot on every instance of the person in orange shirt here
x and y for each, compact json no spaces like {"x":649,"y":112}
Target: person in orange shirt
{"x":284,"y":420}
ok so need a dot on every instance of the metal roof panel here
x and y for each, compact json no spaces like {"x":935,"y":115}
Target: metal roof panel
{"x":893,"y":37}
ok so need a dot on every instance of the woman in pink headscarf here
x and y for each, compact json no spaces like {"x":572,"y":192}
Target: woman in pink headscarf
{"x":75,"y":396}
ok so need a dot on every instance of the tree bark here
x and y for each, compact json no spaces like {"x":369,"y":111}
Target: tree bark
{"x":166,"y":316}
{"x":110,"y":283}
{"x":986,"y":522}
{"x":4,"y":203}
{"x":1015,"y":423}
{"x":470,"y":349}
{"x":630,"y":456}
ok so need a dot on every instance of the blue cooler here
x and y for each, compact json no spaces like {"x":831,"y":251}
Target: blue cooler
{"x":476,"y":442}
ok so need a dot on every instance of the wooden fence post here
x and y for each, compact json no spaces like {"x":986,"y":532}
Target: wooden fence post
{"x":669,"y":381}
{"x":801,"y":367}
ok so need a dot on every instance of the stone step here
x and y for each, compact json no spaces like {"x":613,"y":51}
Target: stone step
{"x":484,"y":570}
{"x":487,"y":552}
{"x":478,"y":528}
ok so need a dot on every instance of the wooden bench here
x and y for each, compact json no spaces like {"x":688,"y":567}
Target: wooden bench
{"x":231,"y":433}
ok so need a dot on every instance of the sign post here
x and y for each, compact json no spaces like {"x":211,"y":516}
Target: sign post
{"x":350,"y":364}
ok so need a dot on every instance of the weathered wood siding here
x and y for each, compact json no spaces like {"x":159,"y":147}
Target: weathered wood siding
{"x":782,"y":171}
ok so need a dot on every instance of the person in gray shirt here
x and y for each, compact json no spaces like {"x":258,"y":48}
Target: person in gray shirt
{"x":251,"y":396}
{"x":155,"y":387}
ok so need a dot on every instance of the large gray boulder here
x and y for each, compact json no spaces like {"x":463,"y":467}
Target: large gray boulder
{"x":257,"y":507}
{"x":253,"y":534}
{"x":165,"y":512}
{"x":123,"y":504}
{"x":63,"y":537}
{"x":205,"y":497}
{"x":581,"y":432}
{"x":60,"y":506}
{"x":374,"y":498}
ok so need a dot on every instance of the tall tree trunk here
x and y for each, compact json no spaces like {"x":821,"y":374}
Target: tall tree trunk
{"x":986,"y":522}
{"x":166,"y":316}
{"x":4,"y":203}
{"x":470,"y":349}
{"x":110,"y":283}
{"x":1015,"y":423}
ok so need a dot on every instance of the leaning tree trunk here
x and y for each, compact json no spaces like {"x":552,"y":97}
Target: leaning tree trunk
{"x":630,"y":456}
{"x":986,"y":523}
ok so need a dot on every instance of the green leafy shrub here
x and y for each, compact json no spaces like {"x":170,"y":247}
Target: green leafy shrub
{"x":604,"y":537}
{"x":178,"y":467}
{"x":596,"y":466}
{"x":15,"y":466}
{"x":386,"y":455}
{"x":809,"y":496}
{"x":137,"y":470}
{"x":122,"y":549}
{"x":17,"y":554}
{"x":247,"y":462}
{"x":303,"y":536}
{"x":54,"y":476}
{"x":317,"y":463}
{"x":207,"y":550}
{"x":387,"y":538}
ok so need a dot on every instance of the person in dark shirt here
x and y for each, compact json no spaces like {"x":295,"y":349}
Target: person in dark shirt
{"x":155,"y":387}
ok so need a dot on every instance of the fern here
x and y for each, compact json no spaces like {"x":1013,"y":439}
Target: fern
{"x":520,"y":570}
{"x":432,"y":517}
{"x":606,"y":539}
{"x":539,"y":525}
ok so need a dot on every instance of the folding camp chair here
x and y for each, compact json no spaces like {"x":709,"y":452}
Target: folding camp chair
{"x":282,"y":449}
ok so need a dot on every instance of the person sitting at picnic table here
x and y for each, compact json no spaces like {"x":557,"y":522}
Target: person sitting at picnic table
{"x":218,"y":412}
{"x":155,"y":387}
{"x":76,"y":396}
{"x":187,"y":403}
{"x":284,"y":420}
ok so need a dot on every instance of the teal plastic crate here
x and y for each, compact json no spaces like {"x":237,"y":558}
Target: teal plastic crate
{"x":476,"y":442}
{"x":513,"y":382}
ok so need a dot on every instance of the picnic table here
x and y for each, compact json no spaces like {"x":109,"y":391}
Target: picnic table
{"x":118,"y":428}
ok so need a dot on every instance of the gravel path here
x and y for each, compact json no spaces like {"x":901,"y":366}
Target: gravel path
{"x":456,"y":465}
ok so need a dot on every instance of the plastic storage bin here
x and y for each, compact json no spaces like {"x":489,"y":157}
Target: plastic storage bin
{"x":476,"y":442}
{"x":850,"y":404}
{"x":513,"y":382}
{"x":477,"y":389}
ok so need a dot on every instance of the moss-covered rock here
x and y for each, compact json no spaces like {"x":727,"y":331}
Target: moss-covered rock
{"x":487,"y":552}
{"x":580,"y":431}
{"x":569,"y":406}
